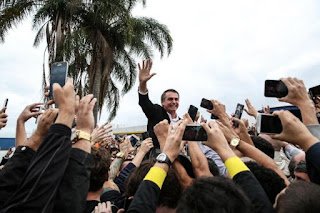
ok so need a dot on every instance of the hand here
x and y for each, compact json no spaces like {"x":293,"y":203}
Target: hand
{"x":101,"y":133}
{"x":146,"y":145}
{"x":47,"y":96}
{"x":241,"y":129}
{"x":103,"y":208}
{"x":297,"y":92}
{"x":144,"y":71}
{"x":126,"y":147}
{"x":46,"y":120}
{"x":203,"y":120}
{"x":64,"y":97}
{"x":216,"y":139}
{"x":266,"y":110}
{"x":174,"y":139}
{"x":32,"y":110}
{"x":161,"y":131}
{"x":187,"y":117}
{"x":197,"y":117}
{"x":228,"y":132}
{"x":3,"y":118}
{"x":219,"y":109}
{"x":84,"y":108}
{"x":251,"y":110}
{"x":294,"y":131}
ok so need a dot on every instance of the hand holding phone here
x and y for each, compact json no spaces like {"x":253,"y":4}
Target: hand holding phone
{"x":238,"y":113}
{"x":194,"y":132}
{"x":207,"y":104}
{"x":275,"y":88}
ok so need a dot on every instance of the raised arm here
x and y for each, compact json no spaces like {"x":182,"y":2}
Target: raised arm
{"x":144,"y":75}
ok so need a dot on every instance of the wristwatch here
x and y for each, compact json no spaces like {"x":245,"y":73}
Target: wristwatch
{"x":163,"y":158}
{"x":80,"y":135}
{"x":235,"y":142}
{"x":120,"y":155}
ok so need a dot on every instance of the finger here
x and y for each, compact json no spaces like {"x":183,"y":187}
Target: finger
{"x":50,"y":102}
{"x":153,"y":74}
{"x":35,"y":114}
{"x":57,"y":90}
{"x":77,"y":103}
{"x":108,"y":206}
{"x":205,"y":127}
{"x":31,"y":106}
{"x":139,"y":66}
{"x":46,"y":94}
{"x":4,"y":115}
{"x":92,"y":103}
{"x":3,"y":109}
{"x":105,"y":124}
{"x":86,"y":99}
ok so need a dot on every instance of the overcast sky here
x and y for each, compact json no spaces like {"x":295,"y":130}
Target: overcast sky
{"x":223,"y":50}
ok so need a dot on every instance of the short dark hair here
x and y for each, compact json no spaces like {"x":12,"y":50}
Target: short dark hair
{"x":163,"y":96}
{"x":270,"y":181}
{"x":300,"y":196}
{"x":170,"y":191}
{"x":214,"y":194}
{"x":99,"y":171}
{"x":263,"y":145}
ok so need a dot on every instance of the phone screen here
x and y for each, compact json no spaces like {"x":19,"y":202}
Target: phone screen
{"x":194,"y":133}
{"x":270,"y":124}
{"x":238,"y":113}
{"x":314,"y":93}
{"x":273,"y":88}
{"x":59,"y":71}
{"x":193,"y":112}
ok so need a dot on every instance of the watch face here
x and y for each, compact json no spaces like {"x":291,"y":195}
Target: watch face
{"x":161,"y":157}
{"x":234,"y":142}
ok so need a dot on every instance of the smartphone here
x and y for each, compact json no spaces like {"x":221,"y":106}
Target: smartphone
{"x":5,"y":104}
{"x":59,"y":71}
{"x":145,"y":135}
{"x":194,"y":132}
{"x":193,"y":112}
{"x":238,"y":113}
{"x":314,"y":92}
{"x":207,"y":104}
{"x":274,"y":88}
{"x":268,"y":124}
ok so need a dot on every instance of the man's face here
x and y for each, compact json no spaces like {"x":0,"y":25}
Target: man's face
{"x":171,"y":102}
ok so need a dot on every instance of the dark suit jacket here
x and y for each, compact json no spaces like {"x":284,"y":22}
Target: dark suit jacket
{"x":155,"y":113}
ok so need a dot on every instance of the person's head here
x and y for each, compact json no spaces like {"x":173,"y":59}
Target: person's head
{"x":270,"y":181}
{"x":99,"y":171}
{"x":170,"y":100}
{"x":276,"y":144}
{"x":170,"y":191}
{"x":300,"y":171}
{"x":300,"y":196}
{"x":214,"y":194}
{"x":263,"y":145}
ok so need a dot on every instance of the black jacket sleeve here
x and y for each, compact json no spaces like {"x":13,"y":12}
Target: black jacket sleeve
{"x":73,"y":189}
{"x":254,"y":191}
{"x":146,"y":198}
{"x":40,"y":183}
{"x":11,"y":175}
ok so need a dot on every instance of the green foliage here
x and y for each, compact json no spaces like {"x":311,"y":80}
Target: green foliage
{"x":98,"y":38}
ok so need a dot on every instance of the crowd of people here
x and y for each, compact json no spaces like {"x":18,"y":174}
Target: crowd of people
{"x":70,"y":165}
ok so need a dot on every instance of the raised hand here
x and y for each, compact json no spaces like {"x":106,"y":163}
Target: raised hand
{"x":3,"y":118}
{"x":64,"y":97}
{"x":294,"y":131}
{"x":146,"y":145}
{"x":161,"y":131}
{"x":297,"y":92}
{"x":103,"y":208}
{"x":32,"y":110}
{"x":85,"y":119}
{"x":101,"y":133}
{"x":251,"y":110}
{"x":144,"y":74}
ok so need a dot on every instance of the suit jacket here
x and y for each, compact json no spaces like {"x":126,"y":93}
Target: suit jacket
{"x":155,"y":113}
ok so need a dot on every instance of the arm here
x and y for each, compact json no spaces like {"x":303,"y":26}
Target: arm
{"x":29,"y":112}
{"x":147,"y":195}
{"x":199,"y":161}
{"x":238,"y":171}
{"x":251,"y":110}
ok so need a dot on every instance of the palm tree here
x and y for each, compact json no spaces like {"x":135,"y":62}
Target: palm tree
{"x":100,"y":39}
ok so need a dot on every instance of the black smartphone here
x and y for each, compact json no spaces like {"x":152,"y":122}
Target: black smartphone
{"x":145,"y":135}
{"x":59,"y":71}
{"x":207,"y":104}
{"x":268,"y":124}
{"x":5,"y":104}
{"x":194,"y":133}
{"x":314,"y":93}
{"x":193,"y":112}
{"x":275,"y":88}
{"x":238,"y":113}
